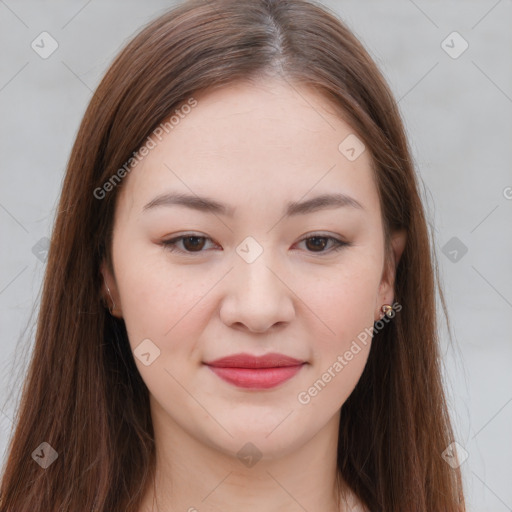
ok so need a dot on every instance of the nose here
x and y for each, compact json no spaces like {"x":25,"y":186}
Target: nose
{"x":257,"y":297}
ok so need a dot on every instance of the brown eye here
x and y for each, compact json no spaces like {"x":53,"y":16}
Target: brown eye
{"x":193,"y":243}
{"x":190,"y":243}
{"x":318,"y":244}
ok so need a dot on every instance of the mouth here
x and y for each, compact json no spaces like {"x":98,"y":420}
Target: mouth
{"x":253,"y":372}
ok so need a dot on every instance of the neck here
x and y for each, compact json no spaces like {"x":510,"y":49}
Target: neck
{"x":194,"y":476}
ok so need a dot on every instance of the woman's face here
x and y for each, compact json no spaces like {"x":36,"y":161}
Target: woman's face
{"x":259,"y":275}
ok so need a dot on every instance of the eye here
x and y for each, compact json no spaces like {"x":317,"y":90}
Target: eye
{"x":195,"y":243}
{"x":192,"y":243}
{"x":319,"y":242}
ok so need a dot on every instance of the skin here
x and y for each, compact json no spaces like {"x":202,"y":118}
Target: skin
{"x":254,"y":147}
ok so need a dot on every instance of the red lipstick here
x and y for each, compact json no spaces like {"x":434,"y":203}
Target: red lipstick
{"x":263,"y":372}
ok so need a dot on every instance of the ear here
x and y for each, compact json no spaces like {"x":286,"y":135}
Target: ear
{"x":109,"y":291}
{"x":387,"y":285}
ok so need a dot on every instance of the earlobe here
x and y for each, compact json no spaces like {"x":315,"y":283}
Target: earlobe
{"x":109,"y":292}
{"x":387,"y":284}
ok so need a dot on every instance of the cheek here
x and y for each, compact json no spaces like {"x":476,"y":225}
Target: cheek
{"x":163,"y":314}
{"x":158,"y":300}
{"x":345,"y":304}
{"x":333,"y":381}
{"x":344,"y":301}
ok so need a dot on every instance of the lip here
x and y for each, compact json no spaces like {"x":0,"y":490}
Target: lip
{"x":256,"y":372}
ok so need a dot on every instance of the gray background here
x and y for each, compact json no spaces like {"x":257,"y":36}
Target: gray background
{"x":457,"y":113}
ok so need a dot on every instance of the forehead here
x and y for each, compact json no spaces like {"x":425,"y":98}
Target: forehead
{"x":248,"y":139}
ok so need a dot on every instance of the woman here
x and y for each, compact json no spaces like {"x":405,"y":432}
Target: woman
{"x":239,"y":303}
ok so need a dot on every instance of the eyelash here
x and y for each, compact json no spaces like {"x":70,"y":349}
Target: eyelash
{"x":170,"y":245}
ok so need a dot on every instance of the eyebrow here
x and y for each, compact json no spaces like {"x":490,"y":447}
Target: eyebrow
{"x":208,"y":205}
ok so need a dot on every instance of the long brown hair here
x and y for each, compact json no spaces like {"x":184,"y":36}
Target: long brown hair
{"x":83,"y":394}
